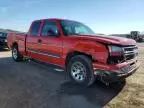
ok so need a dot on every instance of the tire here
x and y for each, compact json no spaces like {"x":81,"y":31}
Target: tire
{"x":16,"y":54}
{"x":80,"y":70}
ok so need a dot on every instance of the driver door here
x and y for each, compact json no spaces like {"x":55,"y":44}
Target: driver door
{"x":51,"y":43}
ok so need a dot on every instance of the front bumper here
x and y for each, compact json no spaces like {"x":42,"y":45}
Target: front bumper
{"x":114,"y":73}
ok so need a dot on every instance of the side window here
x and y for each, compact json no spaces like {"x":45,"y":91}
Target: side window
{"x":50,"y":29}
{"x":67,"y":27}
{"x":35,"y":28}
{"x":80,"y":30}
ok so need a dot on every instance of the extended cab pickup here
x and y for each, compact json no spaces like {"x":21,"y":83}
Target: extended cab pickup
{"x":75,"y":47}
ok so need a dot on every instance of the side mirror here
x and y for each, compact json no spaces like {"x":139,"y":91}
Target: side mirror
{"x":53,"y":32}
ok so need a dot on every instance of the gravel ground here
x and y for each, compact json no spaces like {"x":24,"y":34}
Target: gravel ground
{"x":33,"y":85}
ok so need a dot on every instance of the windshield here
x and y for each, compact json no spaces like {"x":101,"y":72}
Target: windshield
{"x":75,"y":28}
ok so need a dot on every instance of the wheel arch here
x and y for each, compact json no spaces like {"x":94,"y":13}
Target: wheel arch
{"x":14,"y":44}
{"x":75,"y":53}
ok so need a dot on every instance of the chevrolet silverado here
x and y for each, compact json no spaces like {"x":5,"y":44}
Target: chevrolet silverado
{"x":76,"y":48}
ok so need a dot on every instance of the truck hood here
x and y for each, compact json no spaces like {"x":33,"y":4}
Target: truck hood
{"x":109,"y":39}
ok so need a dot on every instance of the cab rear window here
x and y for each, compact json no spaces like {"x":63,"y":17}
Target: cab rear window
{"x":35,"y":28}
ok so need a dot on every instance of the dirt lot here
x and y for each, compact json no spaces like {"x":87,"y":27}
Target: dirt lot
{"x":32,"y":85}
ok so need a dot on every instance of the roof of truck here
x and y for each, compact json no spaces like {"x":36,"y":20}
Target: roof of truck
{"x":50,"y":19}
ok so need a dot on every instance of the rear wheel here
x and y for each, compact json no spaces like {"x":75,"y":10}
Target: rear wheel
{"x":16,"y":54}
{"x":80,"y":70}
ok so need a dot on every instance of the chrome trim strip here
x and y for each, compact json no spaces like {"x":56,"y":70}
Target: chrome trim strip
{"x":51,"y":45}
{"x":131,"y":50}
{"x":129,"y":53}
{"x":130,"y":47}
{"x":43,"y":53}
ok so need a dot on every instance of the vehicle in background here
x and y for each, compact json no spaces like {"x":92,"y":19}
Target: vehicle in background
{"x":3,"y":40}
{"x":76,"y":48}
{"x":136,"y":36}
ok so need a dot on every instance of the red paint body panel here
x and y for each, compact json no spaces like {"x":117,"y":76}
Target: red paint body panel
{"x":52,"y":45}
{"x":18,"y":38}
{"x":97,"y":50}
{"x":95,"y":46}
{"x":112,"y":68}
{"x":110,"y":39}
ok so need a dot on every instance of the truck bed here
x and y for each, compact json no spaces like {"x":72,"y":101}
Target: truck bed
{"x":19,"y":38}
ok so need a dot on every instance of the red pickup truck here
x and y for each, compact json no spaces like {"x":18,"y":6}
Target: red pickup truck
{"x":75,"y":47}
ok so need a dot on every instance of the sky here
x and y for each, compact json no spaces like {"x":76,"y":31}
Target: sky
{"x":102,"y":16}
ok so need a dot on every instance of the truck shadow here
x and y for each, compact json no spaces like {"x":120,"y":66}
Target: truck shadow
{"x":99,"y":94}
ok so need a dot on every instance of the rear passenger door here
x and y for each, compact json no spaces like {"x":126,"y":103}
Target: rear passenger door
{"x":33,"y":40}
{"x":51,"y":42}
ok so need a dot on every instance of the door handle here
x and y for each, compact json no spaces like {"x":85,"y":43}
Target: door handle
{"x":39,"y":41}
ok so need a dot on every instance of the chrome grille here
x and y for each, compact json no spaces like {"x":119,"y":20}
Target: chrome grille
{"x":130,"y":52}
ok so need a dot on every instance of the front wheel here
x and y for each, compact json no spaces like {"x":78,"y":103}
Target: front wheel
{"x":80,"y":70}
{"x":16,"y":54}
